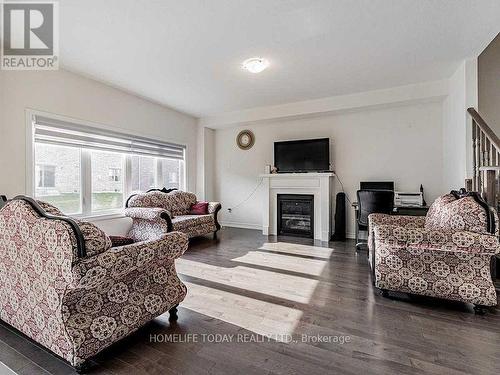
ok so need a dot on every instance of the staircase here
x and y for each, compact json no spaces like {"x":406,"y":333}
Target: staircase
{"x":486,"y":160}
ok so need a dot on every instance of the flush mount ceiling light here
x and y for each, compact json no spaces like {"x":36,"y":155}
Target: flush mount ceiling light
{"x":255,"y":64}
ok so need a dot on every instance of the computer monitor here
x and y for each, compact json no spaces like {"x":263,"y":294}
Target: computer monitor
{"x":377,"y":185}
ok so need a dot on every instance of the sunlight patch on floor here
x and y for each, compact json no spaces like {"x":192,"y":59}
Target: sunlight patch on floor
{"x":296,"y":249}
{"x":5,"y":370}
{"x":283,"y":262}
{"x":275,"y":284}
{"x":260,"y":317}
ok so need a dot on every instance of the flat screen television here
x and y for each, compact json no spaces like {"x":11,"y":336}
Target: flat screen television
{"x":308,"y":155}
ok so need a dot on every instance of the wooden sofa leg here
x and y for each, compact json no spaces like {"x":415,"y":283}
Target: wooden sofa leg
{"x":215,"y":235}
{"x":480,"y":309}
{"x":384,"y":292}
{"x":82,"y":368}
{"x":173,"y":314}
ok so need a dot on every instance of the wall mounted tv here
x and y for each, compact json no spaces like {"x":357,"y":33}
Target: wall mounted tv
{"x":308,"y":155}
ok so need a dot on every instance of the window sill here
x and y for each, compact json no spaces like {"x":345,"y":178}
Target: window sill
{"x":100,"y":217}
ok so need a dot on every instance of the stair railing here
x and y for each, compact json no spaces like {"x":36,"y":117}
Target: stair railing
{"x":485,"y":159}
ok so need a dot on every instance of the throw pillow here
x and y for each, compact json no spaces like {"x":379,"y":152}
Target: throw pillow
{"x":117,"y":241}
{"x":199,"y":208}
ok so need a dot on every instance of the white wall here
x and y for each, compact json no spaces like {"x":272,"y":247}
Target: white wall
{"x":471,"y":100}
{"x":454,"y":132}
{"x":457,"y":150}
{"x":65,"y":93}
{"x":489,"y":84}
{"x":400,"y":143}
{"x":205,"y":164}
{"x":209,"y":163}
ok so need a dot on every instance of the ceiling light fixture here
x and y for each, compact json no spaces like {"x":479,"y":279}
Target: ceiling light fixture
{"x":255,"y":64}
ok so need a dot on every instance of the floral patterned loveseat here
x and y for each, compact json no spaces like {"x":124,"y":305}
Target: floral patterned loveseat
{"x":447,"y":254}
{"x":65,"y":287}
{"x":158,"y":212}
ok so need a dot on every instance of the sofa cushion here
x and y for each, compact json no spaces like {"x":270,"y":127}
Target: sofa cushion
{"x":50,"y":209}
{"x":177,"y":202}
{"x":434,"y":215}
{"x":96,"y":241}
{"x":186,"y":221}
{"x":449,"y":213}
{"x":465,"y":214}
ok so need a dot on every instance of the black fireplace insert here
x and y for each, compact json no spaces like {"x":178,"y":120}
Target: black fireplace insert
{"x":296,"y":215}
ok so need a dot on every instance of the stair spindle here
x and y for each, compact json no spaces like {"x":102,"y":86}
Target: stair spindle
{"x":478,"y":160}
{"x":485,"y":159}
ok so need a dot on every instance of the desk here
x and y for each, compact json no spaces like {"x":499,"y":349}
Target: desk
{"x":411,"y":210}
{"x":404,"y":210}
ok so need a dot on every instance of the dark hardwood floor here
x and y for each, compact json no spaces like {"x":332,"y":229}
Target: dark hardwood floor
{"x":246,"y":287}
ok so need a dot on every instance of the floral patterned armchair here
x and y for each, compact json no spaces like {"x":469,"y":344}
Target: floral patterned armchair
{"x":156,"y":212}
{"x":65,"y":287}
{"x":447,"y":254}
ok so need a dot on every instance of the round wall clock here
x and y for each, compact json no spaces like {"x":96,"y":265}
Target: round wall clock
{"x":245,"y":139}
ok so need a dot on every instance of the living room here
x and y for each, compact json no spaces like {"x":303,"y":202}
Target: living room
{"x":231,"y":187}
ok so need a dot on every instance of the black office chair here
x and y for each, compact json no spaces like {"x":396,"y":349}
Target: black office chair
{"x":370,"y":202}
{"x":3,"y":200}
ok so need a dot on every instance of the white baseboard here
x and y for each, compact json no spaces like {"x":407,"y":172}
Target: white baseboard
{"x":350,"y":235}
{"x":237,"y":224}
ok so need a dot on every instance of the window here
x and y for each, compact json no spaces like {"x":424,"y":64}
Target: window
{"x":57,"y":177}
{"x":46,"y":176}
{"x":115,"y":174}
{"x":106,"y":194}
{"x":148,"y":173}
{"x":172,"y":173}
{"x":143,"y":173}
{"x":87,"y":171}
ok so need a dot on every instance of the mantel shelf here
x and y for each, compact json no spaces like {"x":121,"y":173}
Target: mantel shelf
{"x":298,"y":175}
{"x":489,"y":168}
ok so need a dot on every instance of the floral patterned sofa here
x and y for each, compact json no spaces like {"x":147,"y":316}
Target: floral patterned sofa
{"x":65,"y":287}
{"x":156,"y":212}
{"x":447,"y":254}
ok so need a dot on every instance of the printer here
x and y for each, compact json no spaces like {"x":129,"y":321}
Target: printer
{"x":404,"y":199}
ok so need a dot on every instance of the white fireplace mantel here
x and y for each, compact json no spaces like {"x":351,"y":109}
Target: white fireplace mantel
{"x":318,"y":184}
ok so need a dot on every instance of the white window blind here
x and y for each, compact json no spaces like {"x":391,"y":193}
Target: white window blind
{"x":62,"y":133}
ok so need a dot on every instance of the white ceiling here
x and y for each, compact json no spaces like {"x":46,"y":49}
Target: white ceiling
{"x":186,"y":54}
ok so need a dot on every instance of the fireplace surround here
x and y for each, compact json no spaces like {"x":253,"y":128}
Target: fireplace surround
{"x":320,"y":185}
